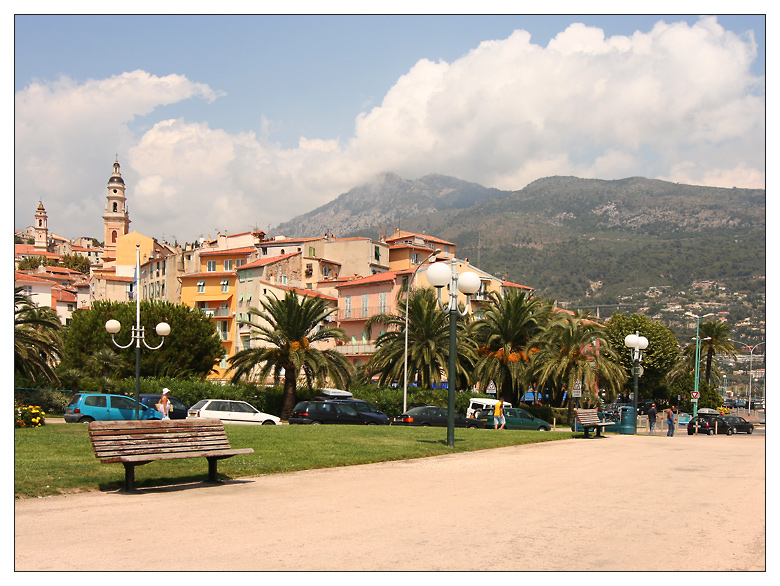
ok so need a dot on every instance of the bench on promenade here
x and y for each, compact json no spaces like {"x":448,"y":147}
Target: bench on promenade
{"x":589,"y":419}
{"x":134,"y":443}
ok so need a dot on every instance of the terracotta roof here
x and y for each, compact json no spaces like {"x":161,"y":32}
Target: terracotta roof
{"x":401,"y":235}
{"x":27,"y":278}
{"x":261,"y":262}
{"x":376,"y":278}
{"x":510,"y":284}
{"x":229,"y":251}
{"x":209,"y":274}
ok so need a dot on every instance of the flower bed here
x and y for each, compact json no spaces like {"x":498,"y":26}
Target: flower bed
{"x":28,"y":416}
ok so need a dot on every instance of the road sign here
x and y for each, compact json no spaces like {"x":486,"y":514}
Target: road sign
{"x":491,"y":389}
{"x":577,"y":391}
{"x":695,"y":395}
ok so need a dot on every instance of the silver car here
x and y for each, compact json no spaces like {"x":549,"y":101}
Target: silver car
{"x":231,"y":412}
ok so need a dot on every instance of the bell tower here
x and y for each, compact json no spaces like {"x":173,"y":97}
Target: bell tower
{"x":41,"y":229}
{"x":116,"y":220}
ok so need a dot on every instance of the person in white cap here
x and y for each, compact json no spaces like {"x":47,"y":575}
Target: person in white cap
{"x":164,"y":404}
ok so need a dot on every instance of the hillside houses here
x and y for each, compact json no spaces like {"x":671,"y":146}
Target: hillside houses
{"x":226,"y":276}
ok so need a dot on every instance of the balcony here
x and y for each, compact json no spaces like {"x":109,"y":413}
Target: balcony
{"x":217,"y":311}
{"x":356,"y":349}
{"x":358,"y":313}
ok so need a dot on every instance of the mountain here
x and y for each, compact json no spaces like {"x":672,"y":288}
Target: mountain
{"x":581,"y":241}
{"x":387,"y":200}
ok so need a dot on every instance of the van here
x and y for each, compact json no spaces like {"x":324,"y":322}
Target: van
{"x":476,"y":405}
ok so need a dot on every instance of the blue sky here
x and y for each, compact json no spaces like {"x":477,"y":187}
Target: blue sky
{"x":228,"y":122}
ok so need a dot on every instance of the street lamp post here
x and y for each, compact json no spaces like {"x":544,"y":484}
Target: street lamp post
{"x":406,"y":324}
{"x":697,"y":367}
{"x":750,"y":381}
{"x":113,"y":326}
{"x":468,"y":283}
{"x":636,"y":343}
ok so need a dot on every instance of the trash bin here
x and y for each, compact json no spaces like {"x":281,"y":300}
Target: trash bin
{"x":627,"y":421}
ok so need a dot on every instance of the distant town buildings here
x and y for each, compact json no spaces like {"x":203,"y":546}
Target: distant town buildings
{"x":226,"y":276}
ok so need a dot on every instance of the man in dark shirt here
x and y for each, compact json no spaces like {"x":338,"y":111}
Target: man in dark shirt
{"x":652,"y":412}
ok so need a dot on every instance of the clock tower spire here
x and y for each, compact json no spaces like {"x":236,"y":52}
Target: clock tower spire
{"x":116,"y":220}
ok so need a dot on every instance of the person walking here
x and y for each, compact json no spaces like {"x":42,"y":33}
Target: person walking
{"x":670,"y":421}
{"x":651,"y":414}
{"x":164,"y":404}
{"x":498,"y":415}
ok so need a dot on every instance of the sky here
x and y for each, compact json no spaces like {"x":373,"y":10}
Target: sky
{"x":226,"y":123}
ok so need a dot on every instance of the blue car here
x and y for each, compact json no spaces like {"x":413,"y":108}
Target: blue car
{"x":86,"y":407}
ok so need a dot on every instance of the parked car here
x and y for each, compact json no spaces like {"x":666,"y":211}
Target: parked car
{"x":516,"y":419}
{"x":683,"y":418}
{"x":86,"y":407}
{"x":428,"y":415}
{"x":178,"y":408}
{"x":362,"y":407}
{"x":707,"y":424}
{"x":739,"y":424}
{"x":479,"y":405}
{"x":231,"y":412}
{"x":613,"y":410}
{"x":644,"y":406}
{"x":324,"y":411}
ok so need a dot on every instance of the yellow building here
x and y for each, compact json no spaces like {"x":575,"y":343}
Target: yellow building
{"x":212,"y":290}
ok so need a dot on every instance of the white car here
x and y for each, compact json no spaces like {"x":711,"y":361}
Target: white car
{"x":231,"y":412}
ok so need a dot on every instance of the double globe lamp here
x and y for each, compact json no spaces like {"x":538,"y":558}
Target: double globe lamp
{"x":440,"y":275}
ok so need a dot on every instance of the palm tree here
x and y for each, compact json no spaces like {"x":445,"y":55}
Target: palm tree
{"x":714,"y":340}
{"x":429,"y":336}
{"x":574,"y":350}
{"x":718,"y":343}
{"x":289,"y":340}
{"x":37,"y":339}
{"x":503,"y":336}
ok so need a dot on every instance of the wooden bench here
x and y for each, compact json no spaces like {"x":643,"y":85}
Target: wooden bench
{"x":589,"y":419}
{"x":134,"y":443}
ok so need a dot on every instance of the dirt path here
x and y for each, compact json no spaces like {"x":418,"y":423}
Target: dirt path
{"x":663,"y":504}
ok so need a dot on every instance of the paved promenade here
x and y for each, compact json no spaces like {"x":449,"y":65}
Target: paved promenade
{"x":660,"y":504}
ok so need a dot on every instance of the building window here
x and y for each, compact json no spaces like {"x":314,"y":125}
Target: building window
{"x":312,"y":251}
{"x":348,"y":306}
{"x":377,"y":256}
{"x":383,"y":302}
{"x":224,"y":284}
{"x":228,"y":264}
{"x":211,"y":266}
{"x":364,"y":305}
{"x":201,"y":286}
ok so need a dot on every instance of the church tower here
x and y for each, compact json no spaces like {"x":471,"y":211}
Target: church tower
{"x":116,"y":220}
{"x":41,"y":229}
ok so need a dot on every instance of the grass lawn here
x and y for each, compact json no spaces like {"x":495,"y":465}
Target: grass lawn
{"x":58,"y":458}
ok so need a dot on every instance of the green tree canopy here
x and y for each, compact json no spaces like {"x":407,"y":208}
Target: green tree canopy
{"x":658,"y":359}
{"x":191,"y":349}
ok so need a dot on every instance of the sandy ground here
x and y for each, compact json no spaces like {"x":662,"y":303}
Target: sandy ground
{"x":624,"y":503}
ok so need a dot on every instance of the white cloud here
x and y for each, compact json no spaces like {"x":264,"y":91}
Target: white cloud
{"x":677,"y":102}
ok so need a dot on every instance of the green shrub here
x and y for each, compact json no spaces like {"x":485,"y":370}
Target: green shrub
{"x":49,"y":401}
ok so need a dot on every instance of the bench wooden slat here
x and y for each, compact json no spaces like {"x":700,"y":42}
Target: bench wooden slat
{"x":134,"y":443}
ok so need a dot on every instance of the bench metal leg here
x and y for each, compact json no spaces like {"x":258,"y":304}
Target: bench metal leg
{"x":129,"y":476}
{"x":213,"y":470}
